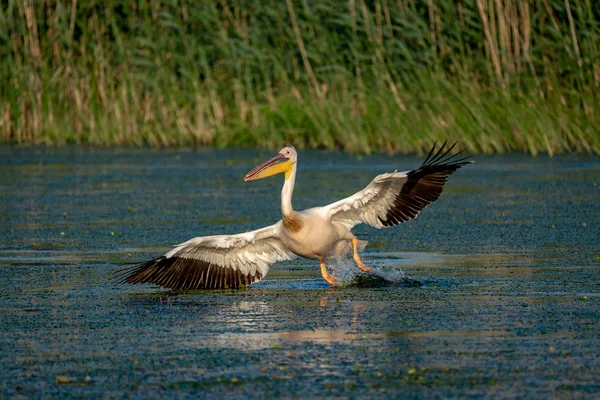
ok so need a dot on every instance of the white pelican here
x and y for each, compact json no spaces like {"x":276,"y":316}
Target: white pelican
{"x":231,"y":261}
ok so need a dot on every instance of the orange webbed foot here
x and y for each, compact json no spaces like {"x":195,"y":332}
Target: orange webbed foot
{"x":332,"y":280}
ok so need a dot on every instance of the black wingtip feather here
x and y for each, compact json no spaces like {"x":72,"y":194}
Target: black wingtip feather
{"x":431,"y":152}
{"x":184,"y":274}
{"x":440,"y":159}
{"x":424,"y":185}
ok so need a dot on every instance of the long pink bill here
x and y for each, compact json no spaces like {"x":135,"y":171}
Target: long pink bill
{"x":255,"y":173}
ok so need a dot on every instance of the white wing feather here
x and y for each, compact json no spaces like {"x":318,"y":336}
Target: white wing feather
{"x":397,"y":197}
{"x":370,"y":204}
{"x":248,"y":252}
{"x":213,"y":262}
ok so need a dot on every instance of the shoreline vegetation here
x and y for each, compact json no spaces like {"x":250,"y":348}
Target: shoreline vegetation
{"x":362,"y":76}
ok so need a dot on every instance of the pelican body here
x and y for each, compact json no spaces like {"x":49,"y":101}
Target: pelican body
{"x":233,"y":261}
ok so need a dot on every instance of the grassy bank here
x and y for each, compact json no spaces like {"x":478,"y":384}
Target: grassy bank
{"x":497,"y":75}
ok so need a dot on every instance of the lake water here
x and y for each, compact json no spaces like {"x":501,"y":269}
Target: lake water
{"x":497,"y":289}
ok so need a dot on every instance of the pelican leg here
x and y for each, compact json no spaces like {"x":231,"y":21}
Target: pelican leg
{"x":359,"y":262}
{"x":332,"y":280}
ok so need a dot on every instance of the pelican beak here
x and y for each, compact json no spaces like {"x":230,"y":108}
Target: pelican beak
{"x":276,"y":165}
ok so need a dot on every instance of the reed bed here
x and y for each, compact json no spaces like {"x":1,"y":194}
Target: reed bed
{"x":385,"y":75}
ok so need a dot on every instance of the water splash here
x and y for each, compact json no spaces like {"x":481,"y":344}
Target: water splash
{"x":384,"y":271}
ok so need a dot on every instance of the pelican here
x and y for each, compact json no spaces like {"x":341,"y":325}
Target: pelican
{"x":320,"y":233}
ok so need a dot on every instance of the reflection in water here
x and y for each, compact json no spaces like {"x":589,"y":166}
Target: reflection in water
{"x":242,"y":315}
{"x":323,"y":302}
{"x":265,"y":340}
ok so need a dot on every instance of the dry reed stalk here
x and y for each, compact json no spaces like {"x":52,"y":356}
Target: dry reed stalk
{"x":302,"y":49}
{"x":574,"y":39}
{"x":489,"y":38}
{"x":379,"y":58}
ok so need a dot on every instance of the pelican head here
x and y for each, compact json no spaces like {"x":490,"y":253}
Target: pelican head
{"x":283,"y":162}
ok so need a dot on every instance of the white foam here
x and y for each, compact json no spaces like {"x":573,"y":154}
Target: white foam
{"x":346,"y":270}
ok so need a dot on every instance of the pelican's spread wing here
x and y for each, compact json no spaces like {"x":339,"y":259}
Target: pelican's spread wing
{"x":397,"y":197}
{"x":214,"y":262}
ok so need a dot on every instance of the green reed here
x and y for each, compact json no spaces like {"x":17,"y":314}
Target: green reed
{"x":496,"y":75}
